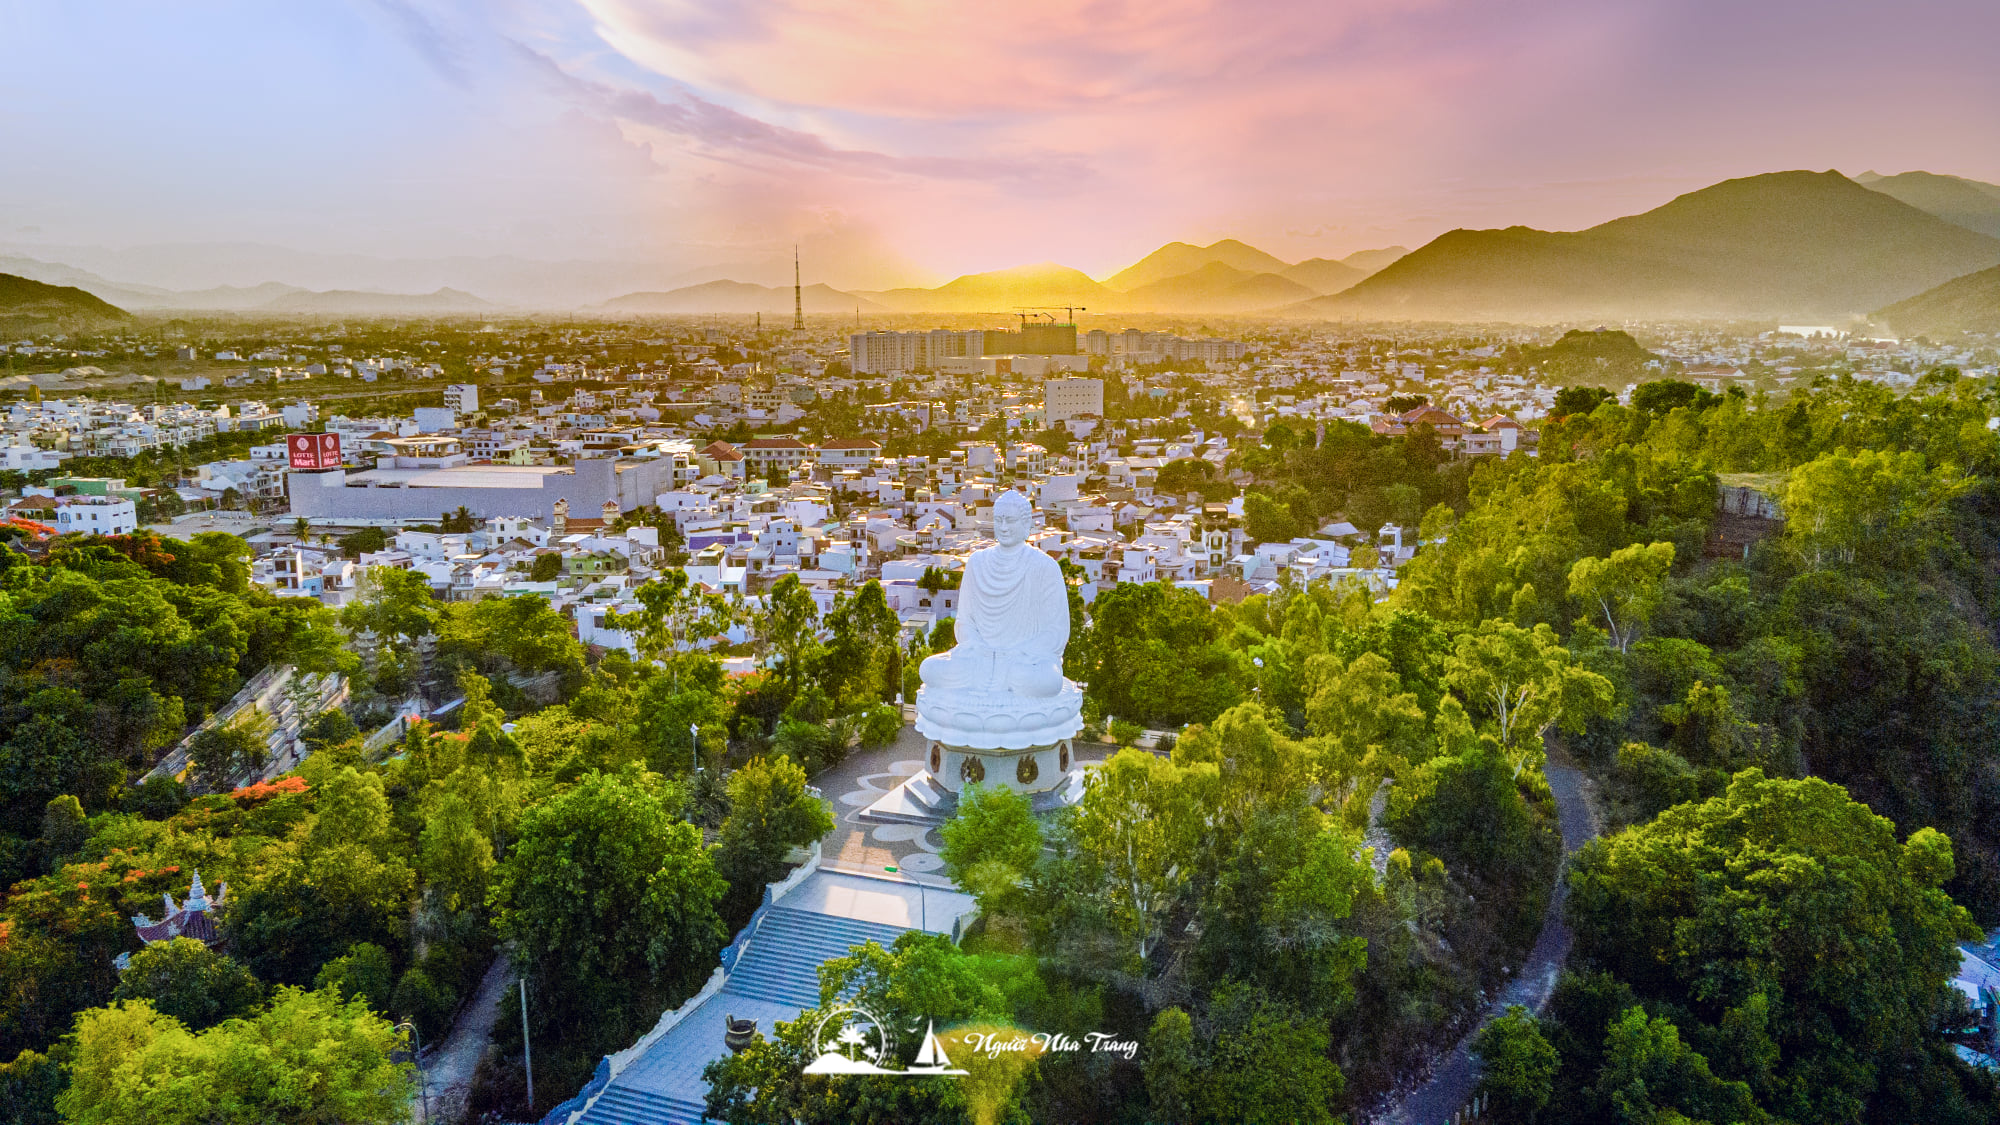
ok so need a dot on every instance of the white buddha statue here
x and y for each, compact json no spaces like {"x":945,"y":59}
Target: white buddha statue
{"x":1005,"y":672}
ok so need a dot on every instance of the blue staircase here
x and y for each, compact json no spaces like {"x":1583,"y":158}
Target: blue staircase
{"x":787,"y":949}
{"x":623,"y":1105}
{"x":779,"y":967}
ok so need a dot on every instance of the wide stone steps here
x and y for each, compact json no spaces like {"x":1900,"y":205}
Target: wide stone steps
{"x":622,"y":1105}
{"x":787,"y":949}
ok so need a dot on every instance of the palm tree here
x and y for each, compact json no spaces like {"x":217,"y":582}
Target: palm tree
{"x":301,"y":530}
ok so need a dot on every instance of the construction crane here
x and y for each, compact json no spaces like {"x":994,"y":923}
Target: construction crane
{"x":1069,"y":313}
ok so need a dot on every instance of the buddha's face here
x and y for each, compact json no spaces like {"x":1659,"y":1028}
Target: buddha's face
{"x":1011,"y":525}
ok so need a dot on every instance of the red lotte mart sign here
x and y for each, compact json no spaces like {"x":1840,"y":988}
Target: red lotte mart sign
{"x":314,"y":451}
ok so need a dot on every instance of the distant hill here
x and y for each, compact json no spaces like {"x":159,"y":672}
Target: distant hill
{"x":355,"y":302}
{"x":1215,"y":288}
{"x":738,"y":298}
{"x":1323,"y":275}
{"x":1178,"y":259}
{"x":1779,"y":245}
{"x":1963,"y":304}
{"x":25,"y":303}
{"x":1968,"y":203}
{"x":1594,"y":356}
{"x":1001,"y":291}
{"x":1373,"y":261}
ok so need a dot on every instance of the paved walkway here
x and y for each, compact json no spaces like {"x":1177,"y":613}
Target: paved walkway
{"x":448,"y":1074}
{"x":856,"y":783}
{"x":1456,"y":1075}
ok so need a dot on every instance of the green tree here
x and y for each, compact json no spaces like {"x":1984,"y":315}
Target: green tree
{"x":862,"y":662}
{"x":28,"y":1088}
{"x":1139,"y":822}
{"x":770,"y":813}
{"x":365,"y":541}
{"x":1787,"y":894}
{"x":605,"y":888}
{"x":1578,"y":400}
{"x":1840,"y":502}
{"x":674,"y":612}
{"x":308,"y":1057}
{"x":547,"y":567}
{"x":235,"y":750}
{"x":1625,"y":587}
{"x":1154,"y":656}
{"x":1361,"y":710}
{"x":991,"y":843}
{"x":1526,"y":683}
{"x":1649,"y":1075}
{"x":455,"y":853}
{"x":186,"y":980}
{"x":363,"y":973}
{"x":392,"y":603}
{"x":788,"y":625}
{"x":1170,"y":1068}
{"x":1267,"y":521}
{"x":1517,"y":1066}
{"x":64,"y":828}
{"x":1267,"y":1064}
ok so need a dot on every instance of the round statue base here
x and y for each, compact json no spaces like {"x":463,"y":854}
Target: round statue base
{"x":1030,"y":769}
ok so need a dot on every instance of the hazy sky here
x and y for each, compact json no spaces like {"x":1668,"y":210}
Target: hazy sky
{"x":912,"y":140}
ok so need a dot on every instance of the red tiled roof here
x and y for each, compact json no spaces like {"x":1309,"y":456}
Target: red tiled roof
{"x":775,"y":443}
{"x":850,"y":443}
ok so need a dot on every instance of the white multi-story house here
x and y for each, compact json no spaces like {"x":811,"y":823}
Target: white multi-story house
{"x":96,"y":515}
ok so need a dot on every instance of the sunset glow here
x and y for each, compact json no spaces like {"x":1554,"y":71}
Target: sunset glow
{"x":908,"y":142}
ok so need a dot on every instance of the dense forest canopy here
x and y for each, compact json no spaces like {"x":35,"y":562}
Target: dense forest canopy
{"x":1347,"y":845}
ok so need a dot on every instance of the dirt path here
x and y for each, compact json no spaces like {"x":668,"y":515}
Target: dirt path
{"x":1456,"y":1075}
{"x":449,"y":1069}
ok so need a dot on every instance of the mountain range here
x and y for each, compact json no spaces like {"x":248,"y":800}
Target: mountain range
{"x":1784,"y":245}
{"x":1967,"y":203}
{"x":739,"y":298}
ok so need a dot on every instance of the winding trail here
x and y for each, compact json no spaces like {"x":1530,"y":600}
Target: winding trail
{"x":1456,"y":1074}
{"x":448,"y":1073}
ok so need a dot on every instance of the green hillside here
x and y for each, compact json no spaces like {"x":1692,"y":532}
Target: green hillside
{"x":1601,"y":356}
{"x":1778,"y":245}
{"x":28,"y":304}
{"x":1963,"y":304}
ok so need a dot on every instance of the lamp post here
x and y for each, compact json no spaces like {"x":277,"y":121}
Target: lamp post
{"x":417,"y":1056}
{"x":694,"y":745}
{"x":527,"y":1049}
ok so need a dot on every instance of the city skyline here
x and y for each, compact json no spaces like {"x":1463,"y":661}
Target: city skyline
{"x":908,"y":147}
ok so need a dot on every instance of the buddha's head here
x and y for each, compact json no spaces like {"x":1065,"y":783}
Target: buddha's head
{"x":1013,"y":519}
